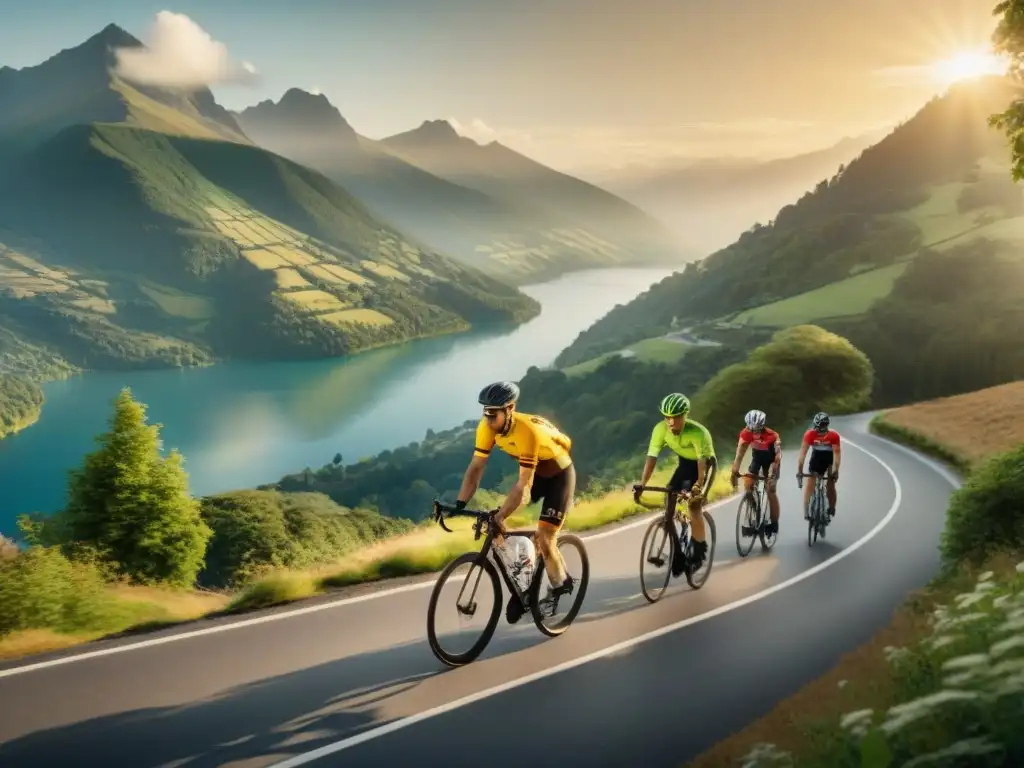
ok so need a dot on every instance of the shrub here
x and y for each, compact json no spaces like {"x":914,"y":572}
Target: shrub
{"x":987,"y":513}
{"x":43,"y":589}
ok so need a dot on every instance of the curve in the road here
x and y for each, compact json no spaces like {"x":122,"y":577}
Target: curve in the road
{"x":299,"y":687}
{"x":396,"y":725}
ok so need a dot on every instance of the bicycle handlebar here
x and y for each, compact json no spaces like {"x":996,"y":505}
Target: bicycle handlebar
{"x":481,"y":516}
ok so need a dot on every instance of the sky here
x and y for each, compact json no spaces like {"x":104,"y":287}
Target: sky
{"x":577,"y":84}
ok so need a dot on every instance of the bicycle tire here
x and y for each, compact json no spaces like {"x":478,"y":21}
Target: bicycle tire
{"x":709,"y":523}
{"x":814,"y":524}
{"x":747,"y":502}
{"x":578,"y":593}
{"x":656,"y":525}
{"x":461,"y":659}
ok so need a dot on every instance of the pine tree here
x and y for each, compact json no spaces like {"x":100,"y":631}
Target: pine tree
{"x":132,"y":506}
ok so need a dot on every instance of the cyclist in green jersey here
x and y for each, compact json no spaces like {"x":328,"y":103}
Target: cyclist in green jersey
{"x":691,"y":442}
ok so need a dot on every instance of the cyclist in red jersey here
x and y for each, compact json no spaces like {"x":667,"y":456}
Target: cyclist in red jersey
{"x":826,"y":452}
{"x":765,"y":452}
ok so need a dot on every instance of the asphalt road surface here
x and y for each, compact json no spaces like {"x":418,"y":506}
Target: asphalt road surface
{"x":351,"y":681}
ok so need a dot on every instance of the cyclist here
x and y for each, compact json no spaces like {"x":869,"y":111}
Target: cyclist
{"x":765,"y":452}
{"x":826,"y":452}
{"x":545,"y":469}
{"x":692,"y":443}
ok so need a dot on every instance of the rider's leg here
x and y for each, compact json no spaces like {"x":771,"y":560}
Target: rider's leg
{"x":557,"y":503}
{"x":808,"y":490}
{"x":830,"y":492}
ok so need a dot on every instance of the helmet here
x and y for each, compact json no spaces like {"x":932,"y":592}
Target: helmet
{"x":755,"y":420}
{"x":821,"y":421}
{"x":674,"y":405}
{"x":499,"y":394}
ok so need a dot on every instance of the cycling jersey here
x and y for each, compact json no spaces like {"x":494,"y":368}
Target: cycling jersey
{"x":693,"y":441}
{"x":768,"y":440}
{"x":533,"y":440}
{"x":818,"y":442}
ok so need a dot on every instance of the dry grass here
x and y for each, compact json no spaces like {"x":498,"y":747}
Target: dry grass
{"x":368,"y":316}
{"x":974,"y":425}
{"x":264,"y":259}
{"x":313,"y":300}
{"x":344,"y":274}
{"x":287,"y":277}
{"x":180,"y":605}
{"x":320,"y":271}
{"x":293,"y":255}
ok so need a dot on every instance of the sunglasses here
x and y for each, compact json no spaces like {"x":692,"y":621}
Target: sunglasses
{"x":492,"y":413}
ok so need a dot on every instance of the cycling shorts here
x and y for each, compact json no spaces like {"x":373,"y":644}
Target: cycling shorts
{"x":761,"y":462}
{"x":820,"y":463}
{"x":557,"y":493}
{"x":686,"y":474}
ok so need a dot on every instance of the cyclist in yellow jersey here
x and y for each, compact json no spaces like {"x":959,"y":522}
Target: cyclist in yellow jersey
{"x":545,"y":468}
{"x":691,"y":442}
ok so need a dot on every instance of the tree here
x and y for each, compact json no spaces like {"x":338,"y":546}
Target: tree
{"x":132,"y":506}
{"x":1008,"y":39}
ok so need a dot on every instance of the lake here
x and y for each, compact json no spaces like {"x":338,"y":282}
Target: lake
{"x":240,"y":424}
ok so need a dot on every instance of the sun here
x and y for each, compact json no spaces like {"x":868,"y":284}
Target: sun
{"x":968,"y":65}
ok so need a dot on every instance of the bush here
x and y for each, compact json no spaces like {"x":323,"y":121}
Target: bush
{"x":987,"y":513}
{"x":42,"y":589}
{"x":255,"y":532}
{"x":801,"y":370}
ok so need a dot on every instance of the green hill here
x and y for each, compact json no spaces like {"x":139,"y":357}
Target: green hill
{"x":939,"y":181}
{"x":486,"y":221}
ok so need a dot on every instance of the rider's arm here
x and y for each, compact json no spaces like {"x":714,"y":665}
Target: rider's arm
{"x":741,"y":450}
{"x":705,"y":451}
{"x":475,"y":471}
{"x":838,"y":452}
{"x":777,"y":464}
{"x":804,"y":445}
{"x":653,"y":450}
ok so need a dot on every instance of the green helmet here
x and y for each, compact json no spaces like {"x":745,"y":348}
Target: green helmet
{"x":675,"y":405}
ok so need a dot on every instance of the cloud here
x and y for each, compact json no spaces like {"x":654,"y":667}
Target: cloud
{"x":482,"y":133}
{"x":181,"y":54}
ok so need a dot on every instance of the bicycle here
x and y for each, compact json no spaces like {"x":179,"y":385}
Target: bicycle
{"x":665,"y":526}
{"x":818,"y":512}
{"x":756,"y":514}
{"x":484,"y":562}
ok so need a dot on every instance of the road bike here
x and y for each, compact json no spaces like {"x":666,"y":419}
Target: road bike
{"x":662,"y":541}
{"x":523,"y":582}
{"x":753,"y":517}
{"x":818,"y":510}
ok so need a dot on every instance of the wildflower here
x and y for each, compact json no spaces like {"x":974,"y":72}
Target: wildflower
{"x":963,"y":662}
{"x":903,"y":714}
{"x":986,"y":576}
{"x":1007,"y":645}
{"x":969,"y":748}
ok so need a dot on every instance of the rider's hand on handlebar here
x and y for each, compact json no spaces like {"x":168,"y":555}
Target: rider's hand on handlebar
{"x":638,"y":489}
{"x":735,"y":477}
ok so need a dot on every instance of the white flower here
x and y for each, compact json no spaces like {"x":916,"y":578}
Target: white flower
{"x":965,"y":748}
{"x":903,"y":714}
{"x":860,"y":717}
{"x":986,"y":576}
{"x":963,"y":662}
{"x":1007,"y":645}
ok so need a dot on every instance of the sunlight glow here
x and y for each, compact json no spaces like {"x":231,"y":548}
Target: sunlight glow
{"x":968,"y":65}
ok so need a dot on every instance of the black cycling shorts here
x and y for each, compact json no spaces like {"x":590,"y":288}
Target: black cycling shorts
{"x":687,"y":472}
{"x":557,"y":492}
{"x":821,"y":462}
{"x":761,"y":462}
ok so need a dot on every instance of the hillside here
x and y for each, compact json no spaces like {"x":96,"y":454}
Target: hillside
{"x":76,"y":86}
{"x":924,"y":204}
{"x":710,"y":202}
{"x":246,"y":254}
{"x":507,"y":236}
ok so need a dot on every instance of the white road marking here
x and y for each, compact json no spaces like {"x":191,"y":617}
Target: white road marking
{"x":288,"y":614}
{"x":397,"y":725}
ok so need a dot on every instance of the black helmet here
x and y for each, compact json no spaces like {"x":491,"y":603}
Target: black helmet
{"x":821,"y":421}
{"x":499,"y":394}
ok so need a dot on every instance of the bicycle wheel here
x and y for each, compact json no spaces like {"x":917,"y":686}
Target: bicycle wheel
{"x":767,"y":539}
{"x":657,"y":551}
{"x":539,"y":606}
{"x":813,"y":524}
{"x":747,"y":516}
{"x":712,"y":539}
{"x":471,"y":584}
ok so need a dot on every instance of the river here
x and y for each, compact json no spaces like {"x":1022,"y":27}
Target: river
{"x":239,"y":424}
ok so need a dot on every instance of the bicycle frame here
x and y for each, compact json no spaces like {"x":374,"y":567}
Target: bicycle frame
{"x":487,"y":549}
{"x":819,"y":494}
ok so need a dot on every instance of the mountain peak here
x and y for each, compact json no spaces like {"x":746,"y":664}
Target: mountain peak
{"x":430,"y":133}
{"x":297,"y":114}
{"x":112,"y":36}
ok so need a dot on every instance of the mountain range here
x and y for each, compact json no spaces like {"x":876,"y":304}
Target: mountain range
{"x":486,"y":205}
{"x":709,"y":202}
{"x":141,"y":226}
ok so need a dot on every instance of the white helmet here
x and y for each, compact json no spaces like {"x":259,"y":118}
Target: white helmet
{"x":755,"y":420}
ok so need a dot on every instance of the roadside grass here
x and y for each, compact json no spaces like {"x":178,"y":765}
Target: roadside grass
{"x":653,"y":350}
{"x":945,"y":678}
{"x":54,"y":604}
